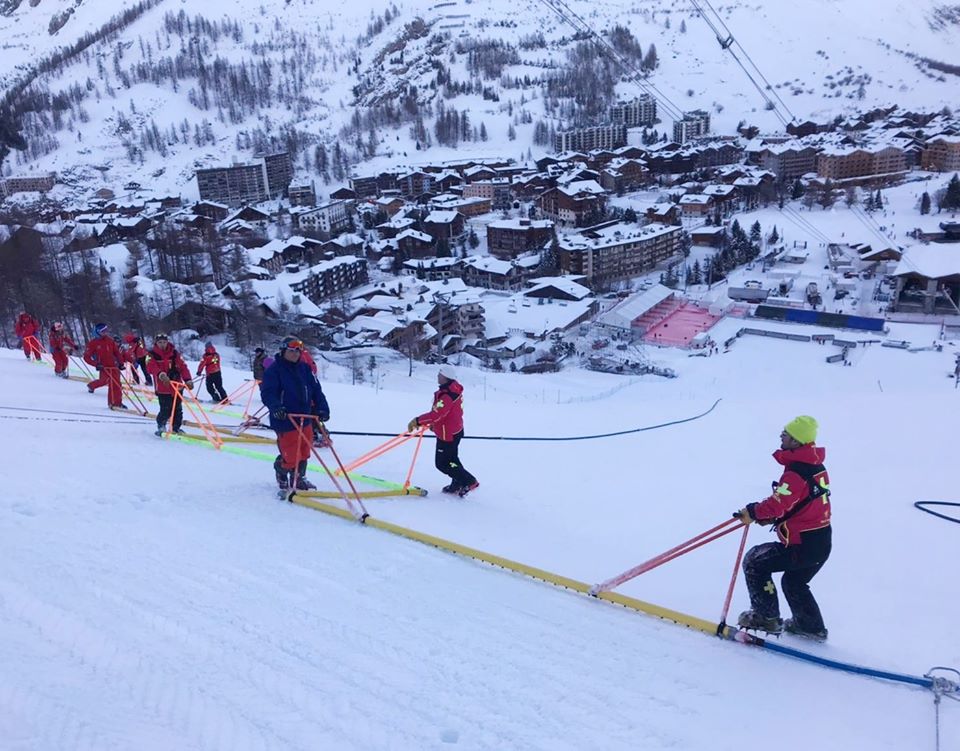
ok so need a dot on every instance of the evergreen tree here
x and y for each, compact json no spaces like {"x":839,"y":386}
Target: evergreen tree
{"x":756,"y":234}
{"x":683,"y":27}
{"x":483,"y":131}
{"x":797,"y":191}
{"x":925,"y":203}
{"x":630,"y":215}
{"x":696,"y":274}
{"x":951,"y":199}
{"x":774,"y":237}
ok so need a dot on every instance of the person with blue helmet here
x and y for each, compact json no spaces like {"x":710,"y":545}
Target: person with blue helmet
{"x":103,"y":353}
{"x":289,"y":387}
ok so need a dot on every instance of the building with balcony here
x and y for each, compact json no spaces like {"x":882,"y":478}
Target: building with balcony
{"x":618,"y":251}
{"x":508,"y":238}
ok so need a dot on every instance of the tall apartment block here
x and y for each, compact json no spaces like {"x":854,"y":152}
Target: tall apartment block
{"x":693,"y":125}
{"x":641,"y":111}
{"x":268,"y":176}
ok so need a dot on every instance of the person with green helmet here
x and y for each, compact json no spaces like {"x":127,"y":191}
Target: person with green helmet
{"x":799,"y":509}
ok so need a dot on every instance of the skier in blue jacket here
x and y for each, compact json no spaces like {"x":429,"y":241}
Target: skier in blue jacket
{"x":288,"y":388}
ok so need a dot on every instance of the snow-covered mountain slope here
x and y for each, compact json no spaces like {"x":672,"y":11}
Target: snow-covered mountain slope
{"x":159,"y":98}
{"x":156,"y":595}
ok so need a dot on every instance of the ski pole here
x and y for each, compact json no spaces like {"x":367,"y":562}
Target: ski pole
{"x":669,"y":555}
{"x":733,"y":582}
{"x":413,"y":462}
{"x":362,"y":515}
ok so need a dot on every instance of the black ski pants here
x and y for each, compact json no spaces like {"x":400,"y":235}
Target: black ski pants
{"x":800,"y":563}
{"x":448,"y":462}
{"x":215,"y":386}
{"x":166,"y":407}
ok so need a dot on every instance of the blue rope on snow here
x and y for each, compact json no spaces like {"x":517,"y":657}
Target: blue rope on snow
{"x":846,"y":667}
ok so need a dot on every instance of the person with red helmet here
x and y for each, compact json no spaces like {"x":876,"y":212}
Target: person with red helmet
{"x":61,"y":346}
{"x":138,"y":351}
{"x":211,"y":363}
{"x":289,"y":388}
{"x":446,"y":421}
{"x":799,"y":508}
{"x":167,"y":368}
{"x":28,"y":331}
{"x":127,"y":359}
{"x":103,"y":353}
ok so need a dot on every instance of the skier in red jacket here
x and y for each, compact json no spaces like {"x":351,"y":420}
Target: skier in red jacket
{"x":446,"y":421}
{"x":799,"y":507}
{"x":167,"y":367}
{"x":27,"y":330}
{"x":138,"y":351}
{"x":211,"y":363}
{"x":104,"y":354}
{"x":61,"y":346}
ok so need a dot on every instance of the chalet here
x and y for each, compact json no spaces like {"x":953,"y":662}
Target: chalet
{"x":508,"y":238}
{"x":623,"y":174}
{"x":412,"y":243}
{"x":415,"y":183}
{"x":444,"y":225}
{"x":696,"y":205}
{"x":344,"y":245}
{"x":556,"y":288}
{"x":433,"y":269}
{"x":664,"y":213}
{"x":395,"y":226}
{"x":491,"y":273}
{"x":709,"y":237}
{"x":251,"y":216}
{"x":216,"y":212}
{"x":573,"y":205}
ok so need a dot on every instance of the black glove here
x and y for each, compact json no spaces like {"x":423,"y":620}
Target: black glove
{"x":279,"y":414}
{"x":323,"y":416}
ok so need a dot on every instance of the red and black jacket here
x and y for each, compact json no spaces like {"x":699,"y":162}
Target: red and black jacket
{"x":800,"y":501}
{"x":446,"y":417}
{"x":60,"y":341}
{"x":167,"y":361}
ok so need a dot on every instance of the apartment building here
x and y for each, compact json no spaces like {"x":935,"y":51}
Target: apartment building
{"x":330,"y":218}
{"x":619,"y":251}
{"x":942,"y":154}
{"x":693,"y":125}
{"x":508,"y":238}
{"x":587,"y":139}
{"x":639,"y":112}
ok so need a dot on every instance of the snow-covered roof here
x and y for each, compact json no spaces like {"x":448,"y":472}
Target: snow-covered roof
{"x":489,"y":264}
{"x":614,"y":235}
{"x":416,"y":235}
{"x":439,"y":216}
{"x":431,"y":263}
{"x":519,"y":223}
{"x":932,"y":261}
{"x":582,"y":186}
{"x":623,"y":315}
{"x":564,"y":285}
{"x":523,"y":315}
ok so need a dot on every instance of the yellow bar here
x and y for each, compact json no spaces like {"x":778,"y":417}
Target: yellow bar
{"x":683,"y":619}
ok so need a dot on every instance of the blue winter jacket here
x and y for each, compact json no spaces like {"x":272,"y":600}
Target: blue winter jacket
{"x":293,"y":386}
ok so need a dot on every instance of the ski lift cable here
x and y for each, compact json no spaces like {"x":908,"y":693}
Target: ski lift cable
{"x":794,"y":221}
{"x":569,"y":16}
{"x":756,"y":67}
{"x":805,"y":223}
{"x":810,"y":226}
{"x":727,"y":42}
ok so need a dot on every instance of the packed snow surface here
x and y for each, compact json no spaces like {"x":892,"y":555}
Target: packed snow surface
{"x":156,"y":595}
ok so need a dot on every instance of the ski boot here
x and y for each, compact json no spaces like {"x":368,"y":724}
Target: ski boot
{"x":791,"y":627}
{"x":451,"y":488}
{"x":755,"y":622}
{"x":283,"y":476}
{"x":472,"y":486}
{"x":302,"y":482}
